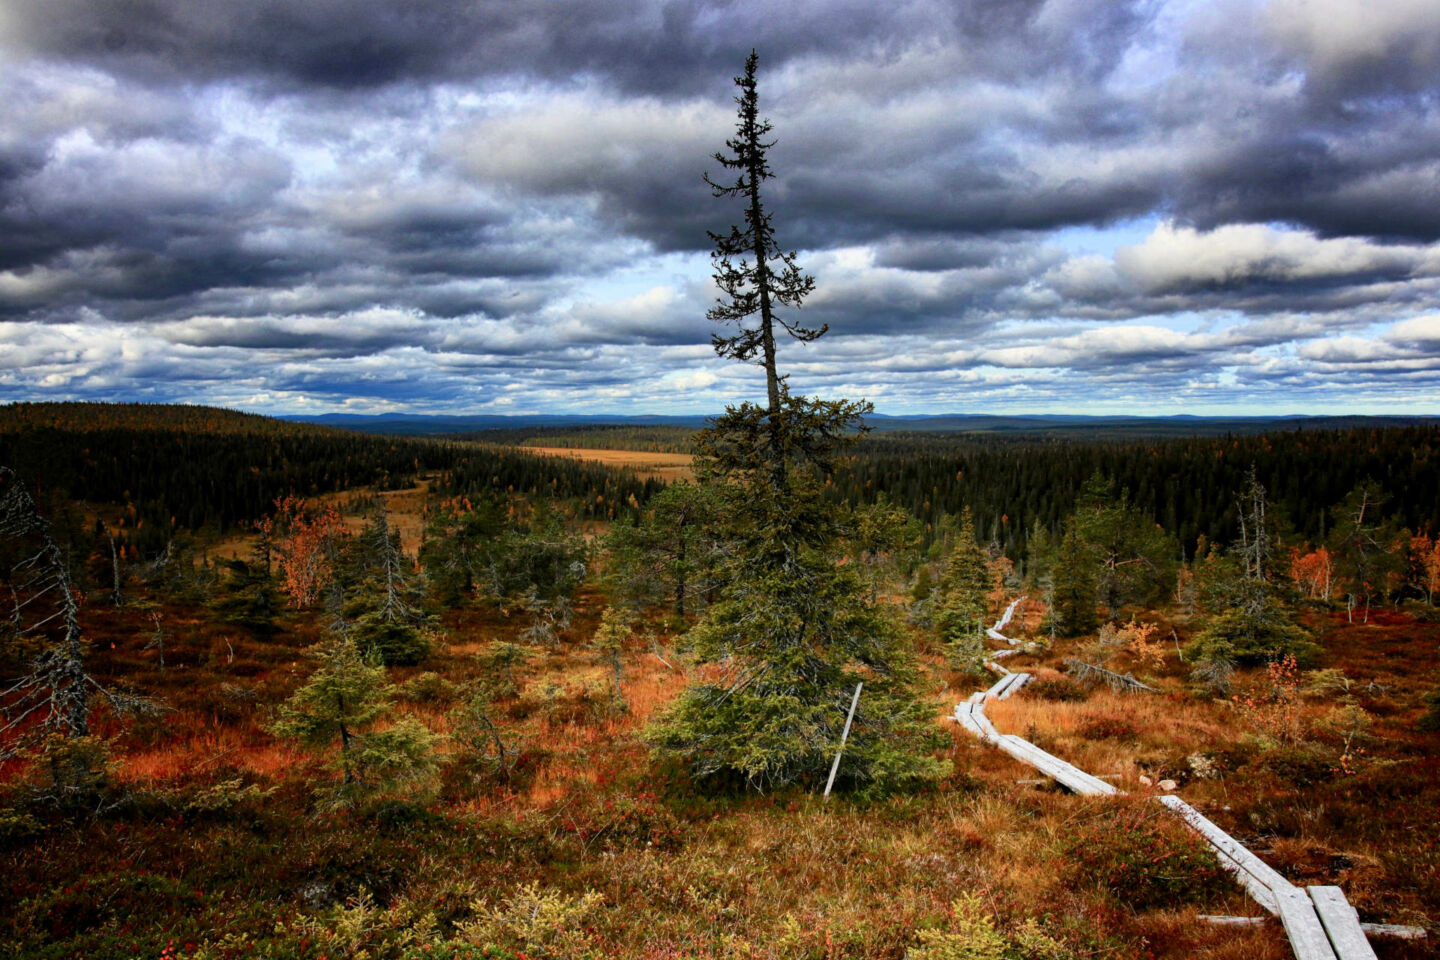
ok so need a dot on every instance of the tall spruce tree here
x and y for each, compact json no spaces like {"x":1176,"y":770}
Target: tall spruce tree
{"x":792,"y":626}
{"x":766,"y":277}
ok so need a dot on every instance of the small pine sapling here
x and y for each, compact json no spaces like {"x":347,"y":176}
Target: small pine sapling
{"x":343,"y":701}
{"x":476,"y":735}
{"x":504,"y":658}
{"x":616,"y":627}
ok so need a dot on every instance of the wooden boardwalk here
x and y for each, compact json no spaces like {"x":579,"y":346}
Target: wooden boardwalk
{"x":1319,"y":921}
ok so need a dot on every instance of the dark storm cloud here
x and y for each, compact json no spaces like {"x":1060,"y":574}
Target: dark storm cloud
{"x":650,"y":46}
{"x":501,"y":202}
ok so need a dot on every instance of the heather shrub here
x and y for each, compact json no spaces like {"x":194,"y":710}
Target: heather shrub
{"x":1143,"y":856}
{"x":427,"y":687}
{"x":1430,"y":719}
{"x":1057,"y":689}
{"x":1108,"y":727}
{"x":1304,"y":766}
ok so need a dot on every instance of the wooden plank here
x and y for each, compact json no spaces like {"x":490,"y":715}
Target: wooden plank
{"x":999,"y":685}
{"x":1393,"y":930}
{"x":1341,"y":923}
{"x":967,"y":720}
{"x":998,"y":690}
{"x":1072,"y":777}
{"x":987,"y":729}
{"x":994,"y":632}
{"x":1020,"y":680}
{"x":1302,"y":925}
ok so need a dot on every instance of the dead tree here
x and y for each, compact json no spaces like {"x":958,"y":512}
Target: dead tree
{"x":1093,"y":673}
{"x":54,"y":695}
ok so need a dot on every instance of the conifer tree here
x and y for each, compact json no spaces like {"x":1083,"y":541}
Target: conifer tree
{"x":46,"y":712}
{"x":964,"y":596}
{"x":1250,"y":621}
{"x":387,"y":621}
{"x":343,"y":701}
{"x":616,"y":627}
{"x":792,"y":627}
{"x":1364,"y":542}
{"x":666,"y":554}
{"x":1073,"y":587}
{"x":765,"y":278}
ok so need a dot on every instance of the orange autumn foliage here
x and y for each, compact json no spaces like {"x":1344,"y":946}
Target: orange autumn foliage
{"x":306,"y":548}
{"x":1312,"y":573}
{"x":1425,"y":565}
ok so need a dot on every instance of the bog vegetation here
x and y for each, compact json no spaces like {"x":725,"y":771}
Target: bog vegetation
{"x":582,"y":715}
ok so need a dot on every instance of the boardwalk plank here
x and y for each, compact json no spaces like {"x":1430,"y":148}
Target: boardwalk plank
{"x":1072,"y":777}
{"x":1303,"y":926}
{"x":1020,"y":679}
{"x":1342,"y":923}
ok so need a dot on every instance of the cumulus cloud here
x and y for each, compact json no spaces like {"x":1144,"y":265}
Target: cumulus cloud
{"x":1182,"y":258}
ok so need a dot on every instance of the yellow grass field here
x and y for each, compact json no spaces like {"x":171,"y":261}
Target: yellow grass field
{"x":661,"y":466}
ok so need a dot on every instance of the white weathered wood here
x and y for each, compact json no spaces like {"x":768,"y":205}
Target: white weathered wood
{"x":994,"y":632}
{"x":976,"y":697}
{"x":1002,"y":654}
{"x":965,"y":716}
{"x":1020,"y":679}
{"x":987,"y":729}
{"x":1399,"y":931}
{"x":997,"y":691}
{"x":999,"y":685}
{"x":845,"y":735}
{"x":1393,"y":930}
{"x":1072,"y":777}
{"x":1341,"y":922}
{"x":1302,"y":925}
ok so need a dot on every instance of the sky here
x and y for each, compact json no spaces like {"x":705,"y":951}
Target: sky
{"x":497,"y":206}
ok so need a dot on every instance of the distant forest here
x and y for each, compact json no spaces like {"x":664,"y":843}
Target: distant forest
{"x":198,"y":468}
{"x":1016,"y":484}
{"x":1016,"y":479}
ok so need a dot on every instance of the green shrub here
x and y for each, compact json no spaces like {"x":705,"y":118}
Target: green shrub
{"x":394,"y":643}
{"x":427,"y":687}
{"x":17,"y":827}
{"x":538,"y":923}
{"x":971,"y":934}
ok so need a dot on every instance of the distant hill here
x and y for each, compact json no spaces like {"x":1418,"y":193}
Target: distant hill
{"x":416,"y":424}
{"x":84,"y":417}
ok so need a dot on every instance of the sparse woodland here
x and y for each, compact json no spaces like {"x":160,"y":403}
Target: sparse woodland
{"x":573,"y":714}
